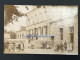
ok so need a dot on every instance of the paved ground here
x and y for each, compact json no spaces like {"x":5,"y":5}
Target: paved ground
{"x":42,"y":51}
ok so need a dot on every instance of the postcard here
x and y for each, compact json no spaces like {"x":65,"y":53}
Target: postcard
{"x":41,"y":29}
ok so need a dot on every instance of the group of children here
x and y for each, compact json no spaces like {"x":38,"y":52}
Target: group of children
{"x":63,"y":47}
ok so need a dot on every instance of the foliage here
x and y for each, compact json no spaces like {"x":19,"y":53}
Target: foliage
{"x":10,"y":10}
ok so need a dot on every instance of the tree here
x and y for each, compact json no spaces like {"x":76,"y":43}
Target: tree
{"x":10,"y":10}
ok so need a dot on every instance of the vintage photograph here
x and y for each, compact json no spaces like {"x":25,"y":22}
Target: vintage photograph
{"x":41,"y":29}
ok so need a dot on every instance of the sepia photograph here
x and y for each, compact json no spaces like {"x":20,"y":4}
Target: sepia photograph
{"x":41,"y":29}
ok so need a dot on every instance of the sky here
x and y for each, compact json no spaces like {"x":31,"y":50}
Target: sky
{"x":21,"y":20}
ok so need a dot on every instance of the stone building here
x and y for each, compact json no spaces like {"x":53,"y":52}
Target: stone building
{"x":6,"y":36}
{"x":21,"y":33}
{"x":61,"y":22}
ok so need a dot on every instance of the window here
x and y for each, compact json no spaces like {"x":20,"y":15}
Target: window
{"x":71,"y":29}
{"x":45,"y":30}
{"x":22,"y":36}
{"x":71,"y":34}
{"x":61,"y":33}
{"x":39,"y":30}
{"x":36,"y":32}
{"x":18,"y":36}
{"x":42,"y":30}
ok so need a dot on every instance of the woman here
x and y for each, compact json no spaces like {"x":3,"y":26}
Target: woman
{"x":69,"y":47}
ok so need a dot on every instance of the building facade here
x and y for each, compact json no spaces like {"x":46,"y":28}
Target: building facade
{"x":61,"y":22}
{"x":21,"y":33}
{"x":6,"y":36}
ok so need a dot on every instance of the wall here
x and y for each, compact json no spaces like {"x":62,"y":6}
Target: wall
{"x":21,"y":33}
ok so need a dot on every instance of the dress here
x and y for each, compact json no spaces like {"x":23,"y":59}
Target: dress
{"x":69,"y":47}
